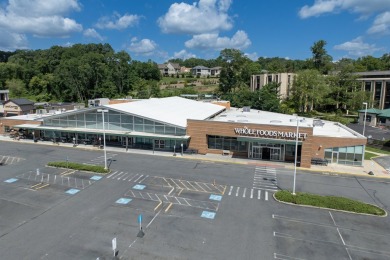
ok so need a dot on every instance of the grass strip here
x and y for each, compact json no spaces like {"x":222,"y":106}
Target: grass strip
{"x":329,"y":202}
{"x":376,"y":150}
{"x":79,"y":166}
{"x":368,"y":155}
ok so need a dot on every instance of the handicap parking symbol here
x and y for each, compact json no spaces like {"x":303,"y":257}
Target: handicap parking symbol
{"x":11,"y":180}
{"x":139,"y":187}
{"x":123,"y":201}
{"x":208,"y":214}
{"x":72,"y":191}
{"x":96,"y":178}
{"x":215,"y":197}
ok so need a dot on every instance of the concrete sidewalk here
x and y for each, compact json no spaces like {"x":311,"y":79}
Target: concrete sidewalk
{"x":368,"y":165}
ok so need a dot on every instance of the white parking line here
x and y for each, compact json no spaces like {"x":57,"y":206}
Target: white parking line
{"x":258,"y":194}
{"x":230,"y":191}
{"x":285,"y":257}
{"x":251,"y":193}
{"x":143,"y":179}
{"x":243,"y":194}
{"x":266,"y":195}
{"x":200,"y":186}
{"x":238,"y":188}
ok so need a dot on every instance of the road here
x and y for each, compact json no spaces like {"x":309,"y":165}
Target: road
{"x":190,"y":209}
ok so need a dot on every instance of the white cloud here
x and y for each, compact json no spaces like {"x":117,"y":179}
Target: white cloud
{"x":381,"y":24}
{"x":12,"y":41}
{"x":239,"y":40}
{"x":183,"y":54}
{"x":206,"y":16}
{"x":118,"y":22}
{"x":357,"y":47}
{"x":92,"y":33}
{"x":40,"y":17}
{"x":253,"y":56}
{"x":363,"y":7}
{"x":38,"y":8}
{"x":144,"y":47}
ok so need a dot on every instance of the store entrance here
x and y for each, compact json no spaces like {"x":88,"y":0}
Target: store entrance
{"x":266,"y":153}
{"x":256,"y":152}
{"x":274,"y":152}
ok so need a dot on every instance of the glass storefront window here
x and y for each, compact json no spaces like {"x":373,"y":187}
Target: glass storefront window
{"x":349,"y":155}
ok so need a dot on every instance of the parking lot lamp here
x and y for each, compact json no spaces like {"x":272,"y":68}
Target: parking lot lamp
{"x":296,"y":155}
{"x":365,"y":118}
{"x":104,"y":136}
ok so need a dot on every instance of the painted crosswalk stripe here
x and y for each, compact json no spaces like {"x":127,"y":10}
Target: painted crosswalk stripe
{"x":109,"y":176}
{"x":230,"y":191}
{"x":130,"y":174}
{"x":124,"y":174}
{"x":138,"y":178}
{"x":251,"y":193}
{"x":133,"y":176}
{"x":238,"y":189}
{"x":243,"y":194}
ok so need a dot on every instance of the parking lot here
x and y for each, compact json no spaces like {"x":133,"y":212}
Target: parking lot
{"x":190,"y":210}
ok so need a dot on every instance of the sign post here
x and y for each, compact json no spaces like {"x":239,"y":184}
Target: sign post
{"x":140,"y":221}
{"x":141,"y":232}
{"x":114,"y":246}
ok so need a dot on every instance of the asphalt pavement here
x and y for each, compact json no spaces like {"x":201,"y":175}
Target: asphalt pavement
{"x":191,"y":208}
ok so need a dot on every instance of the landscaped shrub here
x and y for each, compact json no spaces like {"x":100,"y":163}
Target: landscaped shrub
{"x":79,"y":166}
{"x":330,"y":202}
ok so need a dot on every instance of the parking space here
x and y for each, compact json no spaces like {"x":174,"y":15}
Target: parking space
{"x":317,"y":234}
{"x":54,"y":179}
{"x":173,"y":196}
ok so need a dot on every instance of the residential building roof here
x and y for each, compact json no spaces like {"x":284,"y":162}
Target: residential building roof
{"x":20,"y":101}
{"x":371,"y":111}
{"x":201,"y":67}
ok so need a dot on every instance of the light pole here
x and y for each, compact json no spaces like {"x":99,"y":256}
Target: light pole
{"x":296,"y":155}
{"x":104,"y":137}
{"x":365,"y":116}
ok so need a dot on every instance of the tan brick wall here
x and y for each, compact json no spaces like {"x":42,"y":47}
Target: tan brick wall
{"x":321,"y":143}
{"x":198,"y":130}
{"x":4,"y":121}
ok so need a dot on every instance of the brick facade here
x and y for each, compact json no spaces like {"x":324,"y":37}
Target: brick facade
{"x":198,"y":130}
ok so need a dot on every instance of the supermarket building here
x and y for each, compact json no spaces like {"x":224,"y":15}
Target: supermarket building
{"x":172,"y":123}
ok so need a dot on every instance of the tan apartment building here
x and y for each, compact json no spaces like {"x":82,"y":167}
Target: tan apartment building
{"x":284,"y":79}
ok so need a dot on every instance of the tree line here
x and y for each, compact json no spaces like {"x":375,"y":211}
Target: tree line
{"x":77,"y":73}
{"x":86,"y":71}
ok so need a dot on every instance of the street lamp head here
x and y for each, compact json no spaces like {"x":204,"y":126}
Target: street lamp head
{"x":365,"y":103}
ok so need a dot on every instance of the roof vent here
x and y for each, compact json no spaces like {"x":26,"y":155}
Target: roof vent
{"x":246,"y":109}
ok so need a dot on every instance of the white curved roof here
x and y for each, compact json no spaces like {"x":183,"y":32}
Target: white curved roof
{"x":170,"y":110}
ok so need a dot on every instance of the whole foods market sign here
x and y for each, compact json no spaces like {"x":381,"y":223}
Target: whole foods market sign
{"x":269,"y":133}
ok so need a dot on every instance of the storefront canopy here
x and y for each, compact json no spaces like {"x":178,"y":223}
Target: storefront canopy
{"x":99,"y":131}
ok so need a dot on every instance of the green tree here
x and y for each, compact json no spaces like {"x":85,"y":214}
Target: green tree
{"x":309,"y":90}
{"x":234,"y":74}
{"x":17,"y":88}
{"x":321,"y":59}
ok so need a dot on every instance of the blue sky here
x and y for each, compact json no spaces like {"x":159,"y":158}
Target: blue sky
{"x":164,"y":29}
